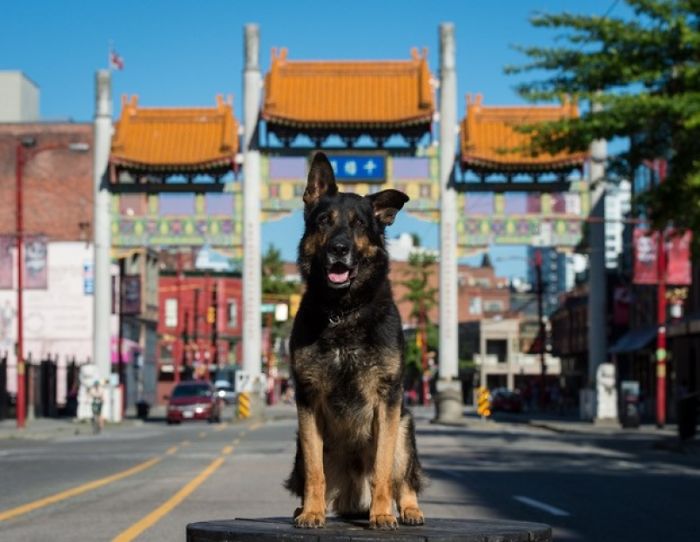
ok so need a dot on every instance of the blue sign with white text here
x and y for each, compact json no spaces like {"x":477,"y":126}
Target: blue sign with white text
{"x":358,"y":167}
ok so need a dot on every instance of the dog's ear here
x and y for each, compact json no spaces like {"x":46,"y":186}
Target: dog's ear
{"x":386,"y":204}
{"x":321,"y":180}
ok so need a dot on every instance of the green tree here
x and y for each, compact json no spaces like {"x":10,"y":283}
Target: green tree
{"x":644,"y":71}
{"x":273,"y":274}
{"x":422,"y":297}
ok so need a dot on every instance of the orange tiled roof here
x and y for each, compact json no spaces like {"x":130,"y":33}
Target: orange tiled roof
{"x":348,"y":94}
{"x":488,"y":133}
{"x":183,"y":139}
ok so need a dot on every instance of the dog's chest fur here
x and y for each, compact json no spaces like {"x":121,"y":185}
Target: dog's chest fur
{"x":344,"y":377}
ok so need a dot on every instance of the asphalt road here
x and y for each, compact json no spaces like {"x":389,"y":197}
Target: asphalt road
{"x":148,"y":481}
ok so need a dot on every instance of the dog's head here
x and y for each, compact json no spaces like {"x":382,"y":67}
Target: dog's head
{"x":343,"y":242}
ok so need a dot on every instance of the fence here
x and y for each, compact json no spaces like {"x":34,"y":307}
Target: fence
{"x":41,"y":384}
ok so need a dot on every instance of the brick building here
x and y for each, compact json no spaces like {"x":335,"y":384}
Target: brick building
{"x":199,"y":325}
{"x":57,"y":217}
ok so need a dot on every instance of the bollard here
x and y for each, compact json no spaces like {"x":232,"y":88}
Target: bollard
{"x":244,"y":405}
{"x":483,"y":403}
{"x":447,"y":530}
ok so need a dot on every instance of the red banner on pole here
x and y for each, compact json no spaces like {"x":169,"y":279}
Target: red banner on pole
{"x":678,"y":268}
{"x":645,"y":265}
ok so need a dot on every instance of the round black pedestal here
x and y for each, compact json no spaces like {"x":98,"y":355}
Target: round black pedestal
{"x":443,"y":530}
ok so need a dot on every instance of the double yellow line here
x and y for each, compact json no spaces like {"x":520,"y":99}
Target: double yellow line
{"x":150,"y":519}
{"x":159,"y":513}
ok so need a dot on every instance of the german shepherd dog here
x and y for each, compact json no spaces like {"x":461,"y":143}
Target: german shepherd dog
{"x":356,"y":448}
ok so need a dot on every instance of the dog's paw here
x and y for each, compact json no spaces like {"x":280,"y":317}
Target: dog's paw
{"x":412,"y":516}
{"x":310,"y":520}
{"x":383,"y":521}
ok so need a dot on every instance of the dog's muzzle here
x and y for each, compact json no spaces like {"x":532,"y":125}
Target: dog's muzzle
{"x":341,"y":267}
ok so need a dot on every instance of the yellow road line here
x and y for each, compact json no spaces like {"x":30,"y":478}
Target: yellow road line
{"x":227,"y":450}
{"x":221,"y":427}
{"x":78,"y":490}
{"x":185,"y":443}
{"x":151,"y":519}
{"x":171,"y":450}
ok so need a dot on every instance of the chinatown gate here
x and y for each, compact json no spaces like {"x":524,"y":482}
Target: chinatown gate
{"x":182,"y":177}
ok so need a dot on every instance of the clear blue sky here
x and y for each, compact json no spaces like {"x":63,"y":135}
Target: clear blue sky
{"x":181,"y":52}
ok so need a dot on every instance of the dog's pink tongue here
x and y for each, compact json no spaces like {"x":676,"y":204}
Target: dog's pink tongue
{"x":338,"y":278}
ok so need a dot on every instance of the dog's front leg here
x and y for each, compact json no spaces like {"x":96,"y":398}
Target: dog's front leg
{"x":313,"y":513}
{"x":386,"y":425}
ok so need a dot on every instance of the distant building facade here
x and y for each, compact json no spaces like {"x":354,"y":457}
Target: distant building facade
{"x":19,"y":97}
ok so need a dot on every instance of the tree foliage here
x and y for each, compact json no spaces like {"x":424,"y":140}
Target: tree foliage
{"x":644,"y":71}
{"x":422,"y":298}
{"x":273,"y":274}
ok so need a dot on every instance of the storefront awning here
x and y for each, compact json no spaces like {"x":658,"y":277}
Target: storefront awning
{"x":634,"y":340}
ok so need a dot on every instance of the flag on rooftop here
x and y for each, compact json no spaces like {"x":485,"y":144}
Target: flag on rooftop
{"x":116,"y":62}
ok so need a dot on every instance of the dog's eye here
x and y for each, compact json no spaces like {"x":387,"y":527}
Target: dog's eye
{"x":323,"y":219}
{"x":357,"y":222}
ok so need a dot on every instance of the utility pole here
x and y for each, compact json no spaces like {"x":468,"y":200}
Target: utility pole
{"x":21,"y":400}
{"x":661,"y":314}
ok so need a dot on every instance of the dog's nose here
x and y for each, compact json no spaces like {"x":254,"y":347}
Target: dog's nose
{"x":340,"y":248}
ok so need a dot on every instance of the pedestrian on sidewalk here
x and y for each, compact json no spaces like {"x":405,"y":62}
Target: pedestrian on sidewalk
{"x":96,"y":393}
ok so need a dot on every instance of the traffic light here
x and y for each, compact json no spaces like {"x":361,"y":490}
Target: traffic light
{"x":483,"y":407}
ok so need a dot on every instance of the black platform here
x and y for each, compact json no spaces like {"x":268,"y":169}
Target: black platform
{"x":278,"y":529}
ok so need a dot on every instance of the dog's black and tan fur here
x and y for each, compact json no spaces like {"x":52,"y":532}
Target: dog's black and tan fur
{"x":356,"y":446}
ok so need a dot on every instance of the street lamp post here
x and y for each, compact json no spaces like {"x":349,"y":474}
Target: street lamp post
{"x":26,"y":149}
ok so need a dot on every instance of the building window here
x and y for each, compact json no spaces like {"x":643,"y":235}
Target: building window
{"x":171,"y":312}
{"x":493,"y":305}
{"x":475,"y":305}
{"x":232,"y":312}
{"x":498,"y":348}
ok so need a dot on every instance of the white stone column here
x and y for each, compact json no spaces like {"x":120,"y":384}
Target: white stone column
{"x":597,"y":314}
{"x":102,"y":298}
{"x":252,"y":88}
{"x":449,"y":405}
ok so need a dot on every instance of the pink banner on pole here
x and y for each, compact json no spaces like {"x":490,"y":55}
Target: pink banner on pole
{"x":679,"y":270}
{"x":645,"y":265}
{"x":35,"y":263}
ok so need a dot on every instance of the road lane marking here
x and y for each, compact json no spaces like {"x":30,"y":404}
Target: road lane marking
{"x":78,"y":490}
{"x":185,"y":443}
{"x":202,"y":434}
{"x":159,"y":513}
{"x":541,"y":505}
{"x":221,"y":427}
{"x":154,"y":517}
{"x":171,"y":450}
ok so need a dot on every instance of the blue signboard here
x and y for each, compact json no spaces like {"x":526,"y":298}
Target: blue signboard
{"x":358,"y":167}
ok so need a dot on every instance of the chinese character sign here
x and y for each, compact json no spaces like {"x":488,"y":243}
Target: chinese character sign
{"x":354,"y":168}
{"x":645,"y":265}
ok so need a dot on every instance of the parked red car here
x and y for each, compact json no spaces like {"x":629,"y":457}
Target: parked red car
{"x":505,"y":400}
{"x":194,"y":400}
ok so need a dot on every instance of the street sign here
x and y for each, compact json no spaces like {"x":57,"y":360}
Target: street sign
{"x":358,"y":167}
